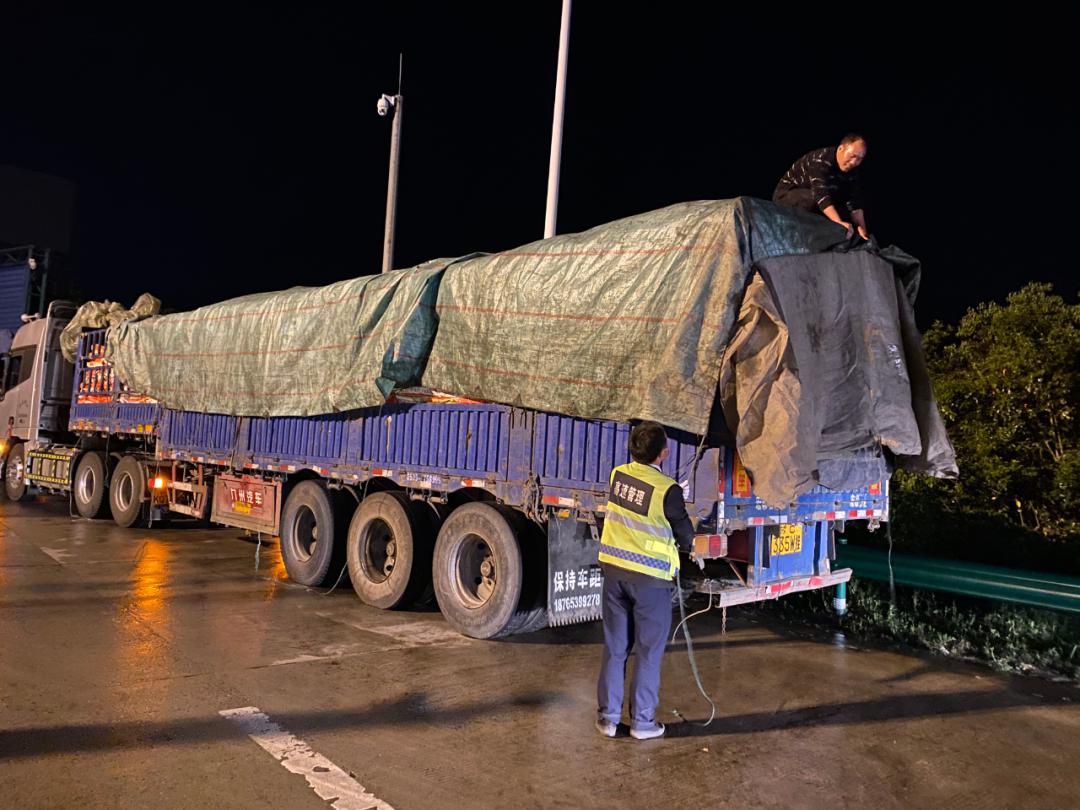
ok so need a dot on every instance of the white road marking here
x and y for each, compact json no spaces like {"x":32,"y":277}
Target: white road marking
{"x":404,"y":636}
{"x":57,"y":554}
{"x":409,"y":634}
{"x":327,"y":653}
{"x":417,"y":634}
{"x":328,"y":781}
{"x":303,"y":659}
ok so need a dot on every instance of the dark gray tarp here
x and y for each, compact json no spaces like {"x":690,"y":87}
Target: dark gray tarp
{"x":824,"y":368}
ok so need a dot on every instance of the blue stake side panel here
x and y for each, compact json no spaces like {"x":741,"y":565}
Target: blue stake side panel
{"x":573,"y":458}
{"x":307,"y":441}
{"x":435,"y":446}
{"x":199,"y":434}
{"x":424,"y":446}
{"x":455,"y":439}
{"x":444,"y":447}
{"x":99,"y":403}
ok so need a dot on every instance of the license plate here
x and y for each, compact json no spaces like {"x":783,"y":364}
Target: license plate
{"x":789,"y":541}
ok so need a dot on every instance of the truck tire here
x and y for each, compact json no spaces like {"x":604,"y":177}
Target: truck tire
{"x":91,"y":491}
{"x":127,"y":494}
{"x":528,"y":621}
{"x":390,"y":544}
{"x":15,"y":473}
{"x":532,"y":614}
{"x":312,"y":546}
{"x":426,"y":600}
{"x":479,"y":571}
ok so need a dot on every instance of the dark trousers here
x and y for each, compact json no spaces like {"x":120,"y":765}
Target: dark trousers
{"x":804,"y":198}
{"x":796,"y":198}
{"x":636,"y":617}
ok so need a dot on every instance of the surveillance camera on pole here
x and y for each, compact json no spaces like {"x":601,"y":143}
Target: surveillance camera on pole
{"x":395,"y":106}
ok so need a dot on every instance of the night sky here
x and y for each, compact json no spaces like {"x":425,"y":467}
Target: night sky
{"x":221,"y":155}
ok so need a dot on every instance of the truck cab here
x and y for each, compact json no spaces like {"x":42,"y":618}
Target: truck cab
{"x":35,"y":392}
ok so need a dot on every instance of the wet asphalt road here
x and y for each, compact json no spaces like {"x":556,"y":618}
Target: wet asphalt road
{"x":121,"y":649}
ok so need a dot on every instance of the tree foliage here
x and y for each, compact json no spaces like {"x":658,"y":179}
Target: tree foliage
{"x":1007,"y":378}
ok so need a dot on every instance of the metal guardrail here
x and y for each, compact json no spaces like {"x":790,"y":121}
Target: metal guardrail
{"x":1050,"y":591}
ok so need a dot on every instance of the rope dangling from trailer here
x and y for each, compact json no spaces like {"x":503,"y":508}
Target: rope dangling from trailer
{"x":892,"y":579}
{"x":344,"y":568}
{"x":686,"y":618}
{"x":690,"y":650}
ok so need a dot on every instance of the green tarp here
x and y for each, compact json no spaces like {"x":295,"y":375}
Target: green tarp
{"x":629,"y":320}
{"x":626,"y":321}
{"x":300,"y":352}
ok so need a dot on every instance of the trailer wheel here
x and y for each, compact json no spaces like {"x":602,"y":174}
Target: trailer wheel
{"x":127,"y":494}
{"x":479,"y":571}
{"x":311,"y":538}
{"x":532,"y":613}
{"x":15,"y":473}
{"x":91,"y":489}
{"x":390,"y":545}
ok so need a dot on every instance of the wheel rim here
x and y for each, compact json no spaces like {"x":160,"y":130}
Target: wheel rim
{"x":305,"y":533}
{"x":379,"y":551}
{"x":475,"y":571}
{"x":125,"y":491}
{"x":15,"y":472}
{"x":87,"y":484}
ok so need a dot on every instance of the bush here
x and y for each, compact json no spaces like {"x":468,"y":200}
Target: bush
{"x":1007,"y":379}
{"x":1008,"y":637}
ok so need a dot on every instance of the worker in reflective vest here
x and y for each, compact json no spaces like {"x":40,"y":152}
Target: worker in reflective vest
{"x":645,"y":525}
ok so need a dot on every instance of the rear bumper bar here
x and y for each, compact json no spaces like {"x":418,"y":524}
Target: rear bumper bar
{"x":726,"y":596}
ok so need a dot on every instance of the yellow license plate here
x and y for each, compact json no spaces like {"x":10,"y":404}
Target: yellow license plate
{"x":789,"y":541}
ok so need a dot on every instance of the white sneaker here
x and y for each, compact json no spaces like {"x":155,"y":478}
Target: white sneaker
{"x":606,"y":728}
{"x":648,"y":733}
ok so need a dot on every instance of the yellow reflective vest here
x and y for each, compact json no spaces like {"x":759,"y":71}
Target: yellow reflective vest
{"x":636,"y":535}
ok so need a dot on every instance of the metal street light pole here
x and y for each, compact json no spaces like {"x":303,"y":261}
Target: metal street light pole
{"x":557,"y":125}
{"x":395,"y":107}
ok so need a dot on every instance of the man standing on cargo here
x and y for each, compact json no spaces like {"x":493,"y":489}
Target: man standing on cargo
{"x":826,"y":181}
{"x":645,"y":525}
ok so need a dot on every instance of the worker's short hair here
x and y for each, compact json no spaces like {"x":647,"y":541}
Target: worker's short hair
{"x":853,"y":137}
{"x":647,"y":440}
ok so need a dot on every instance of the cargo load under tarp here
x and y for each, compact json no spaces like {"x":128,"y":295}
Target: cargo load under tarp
{"x":629,"y":320}
{"x":299,"y":352}
{"x":96,"y":314}
{"x":632,"y":320}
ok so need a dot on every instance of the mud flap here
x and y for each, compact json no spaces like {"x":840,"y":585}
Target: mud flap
{"x":574,"y":582}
